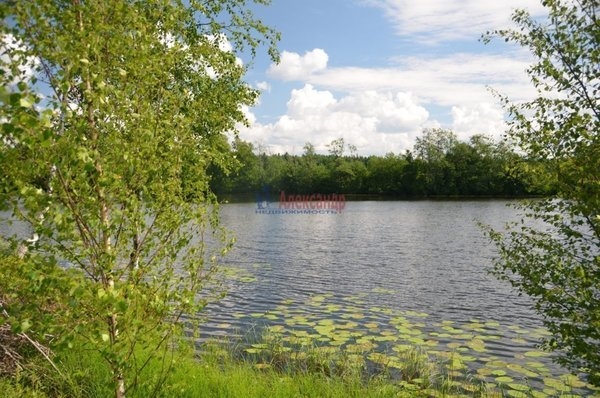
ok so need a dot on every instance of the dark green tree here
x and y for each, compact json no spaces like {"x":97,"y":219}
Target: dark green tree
{"x":432,"y":148}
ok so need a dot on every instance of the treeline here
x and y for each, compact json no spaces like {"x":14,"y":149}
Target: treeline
{"x":439,"y":165}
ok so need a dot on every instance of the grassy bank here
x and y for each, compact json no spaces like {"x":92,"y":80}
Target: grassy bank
{"x":219,"y":372}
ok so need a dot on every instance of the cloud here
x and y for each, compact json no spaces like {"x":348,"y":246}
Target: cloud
{"x":444,"y":81}
{"x":385,"y":109}
{"x":375,"y":122}
{"x":293,"y":66}
{"x":481,"y":119}
{"x":434,"y":21}
{"x":263,"y":86}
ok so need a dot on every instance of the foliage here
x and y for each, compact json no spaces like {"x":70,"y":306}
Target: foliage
{"x":554,"y":254}
{"x":443,"y":166}
{"x":111,"y":113}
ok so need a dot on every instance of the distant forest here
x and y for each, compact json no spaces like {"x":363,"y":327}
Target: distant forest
{"x":439,"y":165}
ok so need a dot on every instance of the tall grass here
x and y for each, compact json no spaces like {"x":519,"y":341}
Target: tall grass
{"x":270,"y":368}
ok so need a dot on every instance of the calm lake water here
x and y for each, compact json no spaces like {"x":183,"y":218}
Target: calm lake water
{"x":429,"y":256}
{"x":400,"y":272}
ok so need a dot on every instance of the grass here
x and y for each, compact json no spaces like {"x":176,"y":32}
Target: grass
{"x":223,"y":370}
{"x":266,"y":366}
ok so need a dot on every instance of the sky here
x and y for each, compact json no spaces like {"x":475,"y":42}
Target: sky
{"x":378,"y":72}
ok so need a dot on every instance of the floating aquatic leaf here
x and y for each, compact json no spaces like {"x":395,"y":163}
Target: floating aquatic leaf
{"x":572,"y":381}
{"x":402,"y":347}
{"x":385,"y":338}
{"x":451,"y":329}
{"x":415,"y":340}
{"x":324,"y":330}
{"x":538,"y":394}
{"x":332,"y":308}
{"x":454,"y":374}
{"x":474,"y":326}
{"x":540,"y":332}
{"x":476,"y":344}
{"x":498,"y":372}
{"x":518,"y":387}
{"x":276,"y":329}
{"x":515,"y":367}
{"x":537,"y":365}
{"x":535,"y":354}
{"x":300,"y":333}
{"x":470,"y":387}
{"x":379,"y":358}
{"x":489,"y":337}
{"x":348,"y":325}
{"x":455,"y":363}
{"x":556,"y":384}
{"x":516,"y":394}
{"x":484,"y":371}
{"x":504,"y":379}
{"x":383,"y":290}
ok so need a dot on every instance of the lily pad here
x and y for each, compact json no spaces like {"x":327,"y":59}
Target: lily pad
{"x":536,"y":354}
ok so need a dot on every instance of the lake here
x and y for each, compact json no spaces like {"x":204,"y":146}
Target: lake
{"x":400,"y":272}
{"x":429,"y":256}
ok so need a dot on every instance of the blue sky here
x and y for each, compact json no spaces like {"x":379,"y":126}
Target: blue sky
{"x":377,"y":72}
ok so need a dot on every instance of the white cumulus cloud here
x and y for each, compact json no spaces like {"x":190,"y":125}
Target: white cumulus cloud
{"x":293,"y":66}
{"x":375,"y":122}
{"x":484,"y":118}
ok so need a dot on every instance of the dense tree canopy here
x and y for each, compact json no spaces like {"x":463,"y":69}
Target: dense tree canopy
{"x":440,"y":165}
